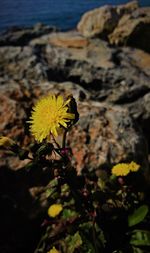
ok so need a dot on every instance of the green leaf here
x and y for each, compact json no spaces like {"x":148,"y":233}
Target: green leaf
{"x":86,"y":226}
{"x":87,"y":246}
{"x":30,"y":166}
{"x":101,"y":184}
{"x":140,"y":238}
{"x":113,"y":177}
{"x":117,"y":251}
{"x":52,"y":188}
{"x":73,"y":242}
{"x":49,"y":192}
{"x":23,"y":154}
{"x":138,"y":215}
{"x":94,"y":234}
{"x":53,"y":182}
{"x":68,"y":213}
{"x":65,"y":190}
{"x":138,"y":250}
{"x":45,"y":149}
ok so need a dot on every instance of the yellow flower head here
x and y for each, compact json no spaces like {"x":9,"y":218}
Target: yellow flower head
{"x":49,"y":115}
{"x":6,"y":142}
{"x":54,"y":210}
{"x":134,"y":166}
{"x":121,"y":169}
{"x":53,"y":250}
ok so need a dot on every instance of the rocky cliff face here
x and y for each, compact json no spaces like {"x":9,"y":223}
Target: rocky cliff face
{"x":126,"y":25}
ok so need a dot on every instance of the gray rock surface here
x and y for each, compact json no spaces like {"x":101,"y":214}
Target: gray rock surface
{"x":20,"y":37}
{"x":102,"y":21}
{"x":98,"y":22}
{"x":106,"y":135}
{"x":133,"y":30}
{"x":127,"y":25}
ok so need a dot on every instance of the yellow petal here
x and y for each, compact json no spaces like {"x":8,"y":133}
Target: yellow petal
{"x":54,"y":210}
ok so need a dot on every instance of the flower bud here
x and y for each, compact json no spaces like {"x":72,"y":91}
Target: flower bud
{"x":6,"y":142}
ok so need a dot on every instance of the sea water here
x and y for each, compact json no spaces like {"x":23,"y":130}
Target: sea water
{"x":63,"y":14}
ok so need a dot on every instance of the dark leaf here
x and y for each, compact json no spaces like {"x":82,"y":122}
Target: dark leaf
{"x":138,"y":215}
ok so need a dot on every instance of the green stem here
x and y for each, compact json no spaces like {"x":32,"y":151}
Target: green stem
{"x":38,"y":246}
{"x":94,"y":236}
{"x":58,"y":146}
{"x":64,"y":139}
{"x":41,"y":245}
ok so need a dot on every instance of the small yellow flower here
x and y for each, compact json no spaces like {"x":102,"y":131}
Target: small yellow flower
{"x":49,"y":115}
{"x":53,"y":250}
{"x":54,"y":210}
{"x":121,"y":169}
{"x":6,"y":142}
{"x":134,"y":166}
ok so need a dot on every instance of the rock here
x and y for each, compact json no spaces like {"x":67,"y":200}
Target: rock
{"x":105,"y":135}
{"x":69,"y":40}
{"x":141,"y":61}
{"x":95,"y":65}
{"x":94,"y":52}
{"x":11,"y":113}
{"x":133,"y":30}
{"x":102,"y":70}
{"x":71,"y":47}
{"x":125,"y":25}
{"x":140,"y":110}
{"x":98,"y":22}
{"x":114,"y":75}
{"x":102,"y":21}
{"x":12,"y":118}
{"x":18,"y":63}
{"x":21,"y":36}
{"x":127,"y":8}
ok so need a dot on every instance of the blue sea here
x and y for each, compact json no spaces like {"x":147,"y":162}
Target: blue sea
{"x":63,"y":14}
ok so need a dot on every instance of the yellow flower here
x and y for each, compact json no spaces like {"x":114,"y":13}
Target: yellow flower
{"x":134,"y":166}
{"x":6,"y":142}
{"x":49,"y":115}
{"x":53,"y":250}
{"x":121,"y":169}
{"x":54,"y":210}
